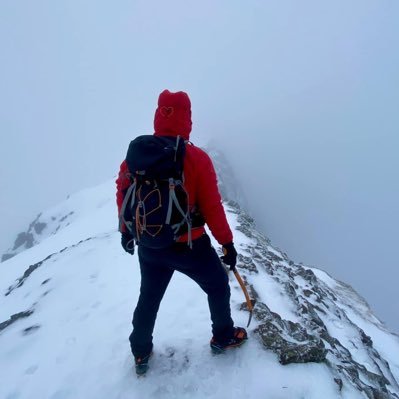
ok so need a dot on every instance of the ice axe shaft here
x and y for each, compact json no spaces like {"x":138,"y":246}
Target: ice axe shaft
{"x":250,"y":304}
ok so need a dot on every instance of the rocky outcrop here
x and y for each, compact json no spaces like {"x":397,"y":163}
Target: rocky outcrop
{"x":40,"y":228}
{"x":15,"y":317}
{"x":318,"y":314}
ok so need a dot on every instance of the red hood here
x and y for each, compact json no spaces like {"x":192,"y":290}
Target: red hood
{"x":173,"y":115}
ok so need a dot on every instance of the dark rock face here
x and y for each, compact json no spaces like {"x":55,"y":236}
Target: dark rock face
{"x":317,"y":311}
{"x":14,"y":318}
{"x":289,"y":340}
{"x":26,"y":274}
{"x":6,"y":256}
{"x":25,"y":239}
{"x":30,"y":330}
{"x":39,"y":227}
{"x":36,"y":231}
{"x":307,"y":348}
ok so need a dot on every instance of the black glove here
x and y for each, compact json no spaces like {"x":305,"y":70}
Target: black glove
{"x":230,"y":255}
{"x":127,"y":242}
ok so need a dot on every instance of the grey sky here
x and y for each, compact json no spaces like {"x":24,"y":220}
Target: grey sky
{"x":303,"y":97}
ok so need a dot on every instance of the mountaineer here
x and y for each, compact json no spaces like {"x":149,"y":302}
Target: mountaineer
{"x":166,"y":192}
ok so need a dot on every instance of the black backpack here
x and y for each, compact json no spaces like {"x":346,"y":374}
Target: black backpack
{"x":155,"y":207}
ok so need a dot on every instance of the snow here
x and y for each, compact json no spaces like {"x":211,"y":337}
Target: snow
{"x":83,"y":299}
{"x":271,"y":293}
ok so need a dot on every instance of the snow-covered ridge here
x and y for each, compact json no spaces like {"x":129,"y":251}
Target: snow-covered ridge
{"x":66,"y":305}
{"x":76,"y":208}
{"x":67,"y":292}
{"x":327,"y":320}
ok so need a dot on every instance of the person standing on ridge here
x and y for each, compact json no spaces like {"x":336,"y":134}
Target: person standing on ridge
{"x":198,"y":260}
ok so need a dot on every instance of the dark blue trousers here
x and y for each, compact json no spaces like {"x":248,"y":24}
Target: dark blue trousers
{"x":202,"y":264}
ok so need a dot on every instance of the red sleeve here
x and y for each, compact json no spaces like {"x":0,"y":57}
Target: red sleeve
{"x":122,"y":184}
{"x":210,"y":201}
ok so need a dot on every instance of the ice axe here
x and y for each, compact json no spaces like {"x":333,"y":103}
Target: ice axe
{"x":232,"y":264}
{"x":250,"y":302}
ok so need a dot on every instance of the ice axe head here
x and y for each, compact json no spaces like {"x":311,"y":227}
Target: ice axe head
{"x":251,"y":305}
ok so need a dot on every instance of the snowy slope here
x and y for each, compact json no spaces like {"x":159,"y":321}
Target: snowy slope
{"x":66,"y":305}
{"x":76,"y":208}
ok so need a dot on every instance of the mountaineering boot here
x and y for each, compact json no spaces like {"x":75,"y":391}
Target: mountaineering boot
{"x":142,"y":364}
{"x":239,"y":337}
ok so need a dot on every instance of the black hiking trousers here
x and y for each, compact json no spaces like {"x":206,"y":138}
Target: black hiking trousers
{"x":202,"y":264}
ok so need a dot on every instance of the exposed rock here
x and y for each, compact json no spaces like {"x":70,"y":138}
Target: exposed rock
{"x":339,"y":382}
{"x":245,"y":262}
{"x":66,"y":216}
{"x":26,"y":274}
{"x":23,"y":239}
{"x":14,"y":318}
{"x":39,"y":227}
{"x":366,"y":339}
{"x":31,"y":329}
{"x":6,"y":256}
{"x":315,"y":307}
{"x":308,"y":349}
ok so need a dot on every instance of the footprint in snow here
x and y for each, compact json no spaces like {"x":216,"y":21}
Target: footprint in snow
{"x":31,"y":370}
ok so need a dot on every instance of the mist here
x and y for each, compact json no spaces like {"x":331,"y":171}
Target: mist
{"x":302,"y":97}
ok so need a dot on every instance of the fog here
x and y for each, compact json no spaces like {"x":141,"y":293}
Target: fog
{"x":301,"y":96}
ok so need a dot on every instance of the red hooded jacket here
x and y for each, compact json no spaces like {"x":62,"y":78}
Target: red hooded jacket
{"x":173,"y":118}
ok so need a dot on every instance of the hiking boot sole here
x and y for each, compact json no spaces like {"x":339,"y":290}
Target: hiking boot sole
{"x":141,"y":369}
{"x":217,"y":350}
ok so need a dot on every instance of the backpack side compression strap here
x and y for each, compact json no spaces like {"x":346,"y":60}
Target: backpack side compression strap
{"x":130,"y":193}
